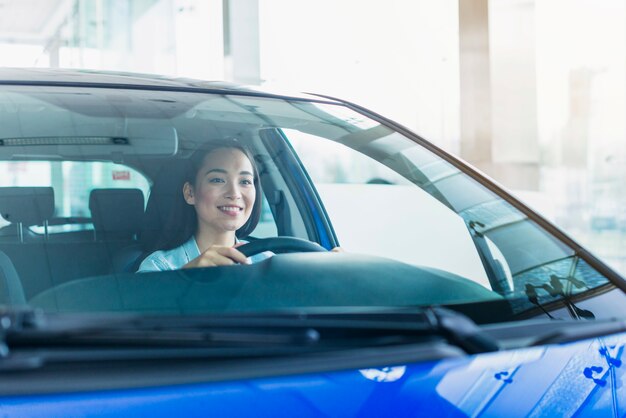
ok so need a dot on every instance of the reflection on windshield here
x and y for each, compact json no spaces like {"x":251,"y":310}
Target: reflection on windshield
{"x":555,"y":280}
{"x":514,"y":253}
{"x":523,"y":262}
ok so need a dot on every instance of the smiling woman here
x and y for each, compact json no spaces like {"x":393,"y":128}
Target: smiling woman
{"x":220,"y":201}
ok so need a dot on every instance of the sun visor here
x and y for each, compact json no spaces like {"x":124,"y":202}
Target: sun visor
{"x":137,"y":138}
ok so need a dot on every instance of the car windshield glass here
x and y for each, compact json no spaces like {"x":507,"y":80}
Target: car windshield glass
{"x":121,"y":200}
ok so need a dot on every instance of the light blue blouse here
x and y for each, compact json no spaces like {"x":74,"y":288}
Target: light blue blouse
{"x":177,"y":257}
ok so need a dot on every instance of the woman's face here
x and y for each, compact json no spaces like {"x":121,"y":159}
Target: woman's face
{"x":224,"y":191}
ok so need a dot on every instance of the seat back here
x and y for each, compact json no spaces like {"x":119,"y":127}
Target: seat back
{"x":11,"y":290}
{"x":42,"y":262}
{"x":117,"y":216}
{"x":24,"y":253}
{"x":26,"y":206}
{"x":116,"y":213}
{"x":167,"y":188}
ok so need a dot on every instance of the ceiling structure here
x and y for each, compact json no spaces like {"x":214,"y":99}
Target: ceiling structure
{"x":31,"y":21}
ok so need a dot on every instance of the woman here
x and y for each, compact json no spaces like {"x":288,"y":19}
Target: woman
{"x":221,"y":201}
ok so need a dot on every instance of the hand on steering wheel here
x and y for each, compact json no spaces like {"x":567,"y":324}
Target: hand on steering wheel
{"x":279,"y":245}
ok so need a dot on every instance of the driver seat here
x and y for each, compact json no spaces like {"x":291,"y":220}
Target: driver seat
{"x":117,"y":215}
{"x":167,"y":187}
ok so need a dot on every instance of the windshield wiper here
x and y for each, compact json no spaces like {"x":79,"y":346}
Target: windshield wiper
{"x":555,"y":289}
{"x":228,"y":336}
{"x":262,"y":328}
{"x":579,"y":330}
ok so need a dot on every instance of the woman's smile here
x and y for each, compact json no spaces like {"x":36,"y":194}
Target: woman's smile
{"x":231,"y":210}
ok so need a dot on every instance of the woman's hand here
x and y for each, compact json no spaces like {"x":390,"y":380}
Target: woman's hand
{"x":217,"y":255}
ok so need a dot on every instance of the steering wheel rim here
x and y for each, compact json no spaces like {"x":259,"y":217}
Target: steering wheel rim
{"x":280,"y":245}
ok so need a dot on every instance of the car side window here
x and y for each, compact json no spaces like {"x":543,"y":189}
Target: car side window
{"x":267,"y":225}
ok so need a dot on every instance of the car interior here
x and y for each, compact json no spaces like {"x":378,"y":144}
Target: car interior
{"x":84,"y":270}
{"x":86,"y":260}
{"x":118,"y":233}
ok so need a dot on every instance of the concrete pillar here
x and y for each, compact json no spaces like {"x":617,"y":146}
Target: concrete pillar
{"x":516,"y":152}
{"x":475,"y":86}
{"x":54,"y":44}
{"x":499,"y":129}
{"x":241,"y":41}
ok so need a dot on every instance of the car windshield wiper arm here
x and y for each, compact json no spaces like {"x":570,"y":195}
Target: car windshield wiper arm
{"x":554,"y":288}
{"x":299,"y":329}
{"x":462,"y":331}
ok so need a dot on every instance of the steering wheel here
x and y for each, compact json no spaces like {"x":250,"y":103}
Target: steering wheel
{"x":279,"y":245}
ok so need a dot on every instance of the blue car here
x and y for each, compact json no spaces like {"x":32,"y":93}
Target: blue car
{"x":175,"y":247}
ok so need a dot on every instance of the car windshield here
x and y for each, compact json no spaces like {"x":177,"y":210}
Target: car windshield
{"x":90,"y":179}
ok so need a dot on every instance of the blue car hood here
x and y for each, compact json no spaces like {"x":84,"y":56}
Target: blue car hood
{"x":582,"y":378}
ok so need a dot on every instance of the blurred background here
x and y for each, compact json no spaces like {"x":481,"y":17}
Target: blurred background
{"x":532,"y":92}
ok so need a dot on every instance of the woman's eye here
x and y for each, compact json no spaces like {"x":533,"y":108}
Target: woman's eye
{"x":246,"y":182}
{"x":216,"y":180}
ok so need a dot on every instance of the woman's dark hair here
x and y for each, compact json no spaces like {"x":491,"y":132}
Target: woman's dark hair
{"x":183,"y":222}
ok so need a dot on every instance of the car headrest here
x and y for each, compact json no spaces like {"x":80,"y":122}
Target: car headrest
{"x":26,"y":205}
{"x":116,"y":212}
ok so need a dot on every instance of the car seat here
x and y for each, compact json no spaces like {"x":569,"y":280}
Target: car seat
{"x":117,"y":218}
{"x":24,"y":207}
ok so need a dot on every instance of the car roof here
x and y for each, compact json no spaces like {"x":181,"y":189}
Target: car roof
{"x":97,"y":78}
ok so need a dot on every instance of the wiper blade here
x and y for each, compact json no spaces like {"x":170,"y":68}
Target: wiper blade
{"x":579,"y":330}
{"x":31,"y":340}
{"x":554,"y":288}
{"x":457,"y":328}
{"x":319,"y":330}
